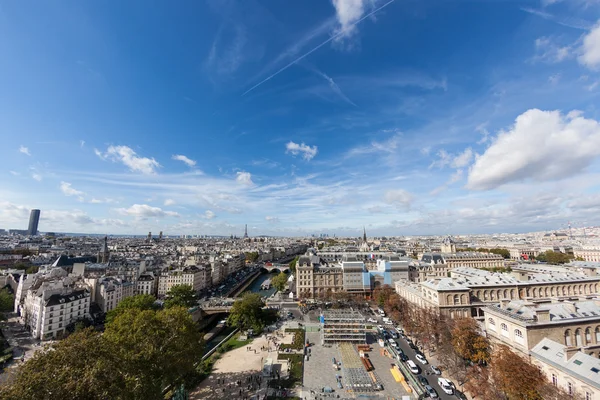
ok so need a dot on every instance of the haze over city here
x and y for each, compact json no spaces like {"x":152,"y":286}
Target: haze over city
{"x":300,"y":117}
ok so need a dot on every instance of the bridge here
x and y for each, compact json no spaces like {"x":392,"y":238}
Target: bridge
{"x":276,"y":267}
{"x":217,"y":305}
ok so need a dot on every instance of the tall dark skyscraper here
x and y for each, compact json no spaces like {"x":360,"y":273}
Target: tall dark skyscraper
{"x":34,"y":220}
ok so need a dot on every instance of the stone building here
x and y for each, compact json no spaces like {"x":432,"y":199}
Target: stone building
{"x":192,"y":276}
{"x":465,"y":259}
{"x":523,"y":324}
{"x":575,"y":372}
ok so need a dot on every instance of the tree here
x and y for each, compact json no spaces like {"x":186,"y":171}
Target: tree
{"x":7,"y":300}
{"x":514,"y":376}
{"x":139,"y":302}
{"x":32,"y":269}
{"x":251,"y":256}
{"x":83,"y":366}
{"x":382,"y":293}
{"x":247,"y":312}
{"x":280,"y":281}
{"x":181,"y":296}
{"x":293,"y":264}
{"x":468,"y":343}
{"x":155,"y":348}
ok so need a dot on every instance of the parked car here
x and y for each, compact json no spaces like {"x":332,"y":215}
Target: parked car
{"x":421,"y":359}
{"x":436,"y":370}
{"x":460,"y":395}
{"x":412,"y":367}
{"x":431,"y":391}
{"x":423,"y":380}
{"x":372,"y":320}
{"x":446,"y":385}
{"x":412,"y":345}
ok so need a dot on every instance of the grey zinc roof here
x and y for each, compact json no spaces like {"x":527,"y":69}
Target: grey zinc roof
{"x":581,"y":366}
{"x":444,"y":284}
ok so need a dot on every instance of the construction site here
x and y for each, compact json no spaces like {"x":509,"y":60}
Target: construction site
{"x":347,"y":360}
{"x":343,"y":326}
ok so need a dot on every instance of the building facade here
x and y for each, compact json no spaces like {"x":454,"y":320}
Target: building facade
{"x":192,"y":276}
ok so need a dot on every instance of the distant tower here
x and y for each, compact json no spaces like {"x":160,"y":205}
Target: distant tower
{"x":149,"y":236}
{"x":364,"y":246}
{"x":160,"y":235}
{"x":103,"y":255}
{"x":364,"y":234}
{"x":246,"y":232}
{"x":448,"y":245}
{"x":34,"y":220}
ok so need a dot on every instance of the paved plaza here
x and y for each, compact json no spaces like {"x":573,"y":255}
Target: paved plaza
{"x":319,"y":371}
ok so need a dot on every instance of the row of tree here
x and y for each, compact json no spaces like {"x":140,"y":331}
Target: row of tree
{"x":142,"y":350}
{"x":503,"y":252}
{"x":486,"y":371}
{"x":249,"y":313}
{"x":555,"y":257}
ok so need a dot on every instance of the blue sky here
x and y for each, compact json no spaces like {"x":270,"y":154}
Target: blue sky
{"x":300,"y":117}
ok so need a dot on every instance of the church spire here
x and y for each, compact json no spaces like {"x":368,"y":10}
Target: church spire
{"x":364,"y":234}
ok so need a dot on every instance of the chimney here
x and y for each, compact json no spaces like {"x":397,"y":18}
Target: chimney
{"x":570,"y":352}
{"x":542,"y":315}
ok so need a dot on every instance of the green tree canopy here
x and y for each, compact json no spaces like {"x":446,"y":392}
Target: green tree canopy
{"x":247,"y":312}
{"x":293,"y":264}
{"x":82,"y":366}
{"x":140,"y":302}
{"x":251,"y":256}
{"x":181,"y":296}
{"x":7,"y":300}
{"x":554,"y":257}
{"x":280,"y":281}
{"x":155,"y":348}
{"x":139,"y":354}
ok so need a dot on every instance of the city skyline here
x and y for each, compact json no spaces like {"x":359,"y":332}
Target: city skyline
{"x":406,"y":118}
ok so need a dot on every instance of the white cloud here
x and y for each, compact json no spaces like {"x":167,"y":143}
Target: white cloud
{"x":146,"y":211}
{"x":463,"y":159}
{"x":101,"y":201}
{"x":547,"y":50}
{"x":68,"y":190}
{"x":169,"y":202}
{"x":187,"y":161}
{"x":271,"y":219}
{"x":348,"y":13}
{"x":553,"y":79}
{"x":209,"y":214}
{"x":541,"y":145}
{"x":590,"y":49}
{"x":81,"y":143}
{"x":398,"y":197}
{"x":14,"y":173}
{"x":24,"y":150}
{"x":308,"y":152}
{"x":245,"y":178}
{"x":445,"y":159}
{"x":37,"y":177}
{"x":130,"y":159}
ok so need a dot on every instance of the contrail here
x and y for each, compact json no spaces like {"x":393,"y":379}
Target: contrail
{"x":315,"y":49}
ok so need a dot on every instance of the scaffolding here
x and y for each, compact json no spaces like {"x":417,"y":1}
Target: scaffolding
{"x":340,"y":326}
{"x":356,"y":378}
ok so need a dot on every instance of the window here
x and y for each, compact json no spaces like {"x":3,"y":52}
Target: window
{"x":570,"y":388}
{"x":60,"y":325}
{"x":554,"y":380}
{"x":588,"y":335}
{"x":588,"y":396}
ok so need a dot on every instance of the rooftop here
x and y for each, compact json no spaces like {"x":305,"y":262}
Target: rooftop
{"x":581,"y":366}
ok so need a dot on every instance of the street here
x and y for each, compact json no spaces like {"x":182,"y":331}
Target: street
{"x":425,"y":369}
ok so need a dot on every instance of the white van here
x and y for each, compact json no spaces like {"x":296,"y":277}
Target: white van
{"x":412,"y":367}
{"x":386,"y":320}
{"x":446,"y":386}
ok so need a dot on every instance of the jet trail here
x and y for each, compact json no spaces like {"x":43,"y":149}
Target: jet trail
{"x":313,"y":50}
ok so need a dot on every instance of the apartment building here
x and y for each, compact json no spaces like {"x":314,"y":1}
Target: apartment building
{"x":192,"y":276}
{"x":52,"y":302}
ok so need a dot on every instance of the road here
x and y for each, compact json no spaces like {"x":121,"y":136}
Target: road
{"x":431,"y":378}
